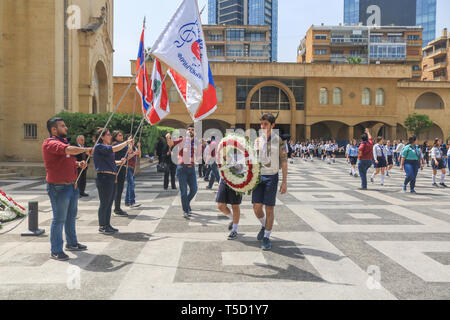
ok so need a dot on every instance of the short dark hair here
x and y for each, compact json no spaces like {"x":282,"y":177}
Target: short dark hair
{"x":364,"y":137}
{"x":268,"y":117}
{"x":213,"y":138}
{"x":379,"y":139}
{"x":53,"y":123}
{"x":190,"y":126}
{"x":412,"y":139}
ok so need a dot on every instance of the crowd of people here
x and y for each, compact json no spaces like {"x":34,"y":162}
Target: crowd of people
{"x":381,"y":154}
{"x":307,"y":150}
{"x":115,"y":155}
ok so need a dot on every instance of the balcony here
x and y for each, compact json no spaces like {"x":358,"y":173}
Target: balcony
{"x":437,"y":53}
{"x":388,"y":41}
{"x":349,"y":41}
{"x":440,"y":78}
{"x":437,"y":66}
{"x":388,"y":58}
{"x":215,"y":38}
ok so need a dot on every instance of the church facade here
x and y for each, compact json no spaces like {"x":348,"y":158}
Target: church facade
{"x":54,"y":56}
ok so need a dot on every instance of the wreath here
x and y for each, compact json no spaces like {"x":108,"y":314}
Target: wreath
{"x":236,"y":159}
{"x":9,"y":209}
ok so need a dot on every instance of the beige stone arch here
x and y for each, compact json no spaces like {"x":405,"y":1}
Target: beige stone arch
{"x":375,"y":125}
{"x":277,"y":84}
{"x":334,"y":128}
{"x":100,"y":86}
{"x":424,"y":92}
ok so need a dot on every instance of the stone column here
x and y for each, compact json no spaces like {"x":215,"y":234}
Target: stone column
{"x":351,"y":132}
{"x":392,"y":133}
{"x":307,"y":132}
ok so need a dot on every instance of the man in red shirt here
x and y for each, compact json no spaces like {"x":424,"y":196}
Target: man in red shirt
{"x":365,"y":156}
{"x":61,"y":167}
{"x":185,"y":168}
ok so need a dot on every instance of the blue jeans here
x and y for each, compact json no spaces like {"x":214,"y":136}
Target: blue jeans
{"x":363,"y":166}
{"x":130,"y":196}
{"x":187,"y":177}
{"x":214,"y":175}
{"x":64,"y":200}
{"x":411,"y":168}
{"x":396,"y":158}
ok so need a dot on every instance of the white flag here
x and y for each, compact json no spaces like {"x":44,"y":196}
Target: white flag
{"x":182,"y":46}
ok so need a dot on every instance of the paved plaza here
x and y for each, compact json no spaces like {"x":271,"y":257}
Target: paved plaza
{"x":330,"y":241}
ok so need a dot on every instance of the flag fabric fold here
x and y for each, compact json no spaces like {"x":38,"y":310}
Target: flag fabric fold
{"x":199,"y":104}
{"x":142,"y":83}
{"x":153,"y":93}
{"x":182,"y":47}
{"x":158,"y":95}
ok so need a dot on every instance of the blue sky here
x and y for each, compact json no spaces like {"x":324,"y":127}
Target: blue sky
{"x":295,"y":18}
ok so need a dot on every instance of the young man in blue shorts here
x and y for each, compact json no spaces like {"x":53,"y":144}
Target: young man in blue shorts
{"x":272,"y":154}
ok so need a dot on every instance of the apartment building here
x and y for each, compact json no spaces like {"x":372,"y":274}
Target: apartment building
{"x":363,"y":44}
{"x":436,"y":59}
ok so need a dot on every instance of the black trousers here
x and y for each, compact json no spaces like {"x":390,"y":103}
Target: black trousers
{"x":201,"y":169}
{"x":106,"y":187}
{"x":171,"y":171}
{"x":119,"y":190}
{"x":82,"y":181}
{"x":207,"y":171}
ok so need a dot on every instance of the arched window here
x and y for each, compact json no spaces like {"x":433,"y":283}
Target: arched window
{"x":337,"y":96}
{"x":323,"y":96}
{"x":380,"y":97}
{"x":270,"y":98}
{"x":219,"y":94}
{"x":366,"y":97}
{"x":173,"y":94}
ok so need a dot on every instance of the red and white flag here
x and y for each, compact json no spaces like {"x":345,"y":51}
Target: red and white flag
{"x":158,"y":95}
{"x":199,"y":104}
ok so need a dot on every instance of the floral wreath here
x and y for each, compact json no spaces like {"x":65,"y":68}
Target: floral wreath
{"x":9,"y":209}
{"x":244,"y":180}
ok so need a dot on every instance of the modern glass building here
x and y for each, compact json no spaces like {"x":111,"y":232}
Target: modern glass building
{"x":425,"y":16}
{"x":247,"y":12}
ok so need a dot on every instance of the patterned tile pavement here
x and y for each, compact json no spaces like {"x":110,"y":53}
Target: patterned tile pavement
{"x":330,"y":241}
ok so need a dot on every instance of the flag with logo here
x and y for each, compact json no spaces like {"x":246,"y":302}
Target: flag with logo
{"x":158,"y":95}
{"x":142,"y":83}
{"x":199,"y":104}
{"x":182,"y":47}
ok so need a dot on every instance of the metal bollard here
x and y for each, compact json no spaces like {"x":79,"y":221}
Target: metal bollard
{"x":33,"y":221}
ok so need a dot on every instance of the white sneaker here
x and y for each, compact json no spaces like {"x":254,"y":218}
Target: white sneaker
{"x":136,"y":205}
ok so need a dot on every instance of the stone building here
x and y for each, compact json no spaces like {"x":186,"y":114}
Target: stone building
{"x":436,"y":59}
{"x":314,"y":100}
{"x":54,"y":55}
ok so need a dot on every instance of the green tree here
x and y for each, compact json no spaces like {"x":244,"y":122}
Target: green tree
{"x":417,"y":123}
{"x":86,"y":124}
{"x":354,"y":60}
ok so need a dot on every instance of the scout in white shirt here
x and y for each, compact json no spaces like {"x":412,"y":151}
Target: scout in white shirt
{"x":380,"y":157}
{"x":437,"y":163}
